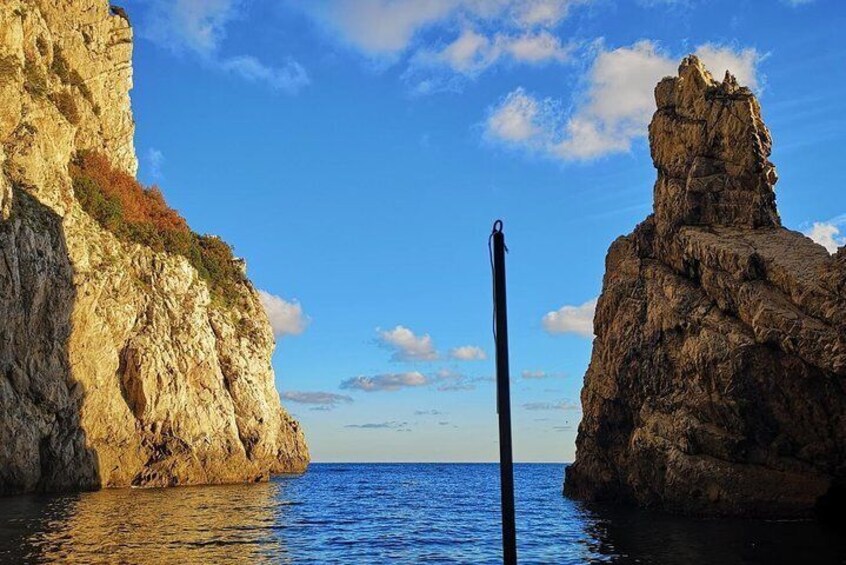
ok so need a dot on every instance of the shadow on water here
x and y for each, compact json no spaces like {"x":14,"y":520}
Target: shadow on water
{"x":625,"y":535}
{"x":42,"y":444}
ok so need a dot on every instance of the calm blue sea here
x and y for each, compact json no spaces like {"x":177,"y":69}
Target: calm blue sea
{"x":384,"y":513}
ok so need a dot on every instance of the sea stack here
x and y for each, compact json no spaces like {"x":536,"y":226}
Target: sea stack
{"x":120,"y":363}
{"x":717,"y":383}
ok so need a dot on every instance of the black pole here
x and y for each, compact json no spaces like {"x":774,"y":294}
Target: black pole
{"x":506,"y":463}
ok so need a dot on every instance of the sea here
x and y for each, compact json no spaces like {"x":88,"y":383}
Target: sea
{"x":386,"y":513}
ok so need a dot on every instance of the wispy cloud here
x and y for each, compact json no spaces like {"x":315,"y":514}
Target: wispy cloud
{"x":443,"y":43}
{"x":447,"y":380}
{"x":562,"y":405}
{"x":827,"y":234}
{"x":386,"y":383}
{"x":155,"y":160}
{"x":616,"y":107}
{"x":389,"y":28}
{"x":539,"y":375}
{"x":407,"y":346}
{"x":571,"y":319}
{"x":471,"y":52}
{"x":289,"y":78}
{"x":199,"y":27}
{"x":468,"y":353}
{"x":323,"y":400}
{"x":392,"y":425}
{"x":429,"y":413}
{"x":286,"y":318}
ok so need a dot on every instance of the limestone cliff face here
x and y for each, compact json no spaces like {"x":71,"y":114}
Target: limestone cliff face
{"x":116,"y":366}
{"x":717,"y":383}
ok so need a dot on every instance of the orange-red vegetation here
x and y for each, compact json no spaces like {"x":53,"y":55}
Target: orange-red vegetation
{"x":138,"y":214}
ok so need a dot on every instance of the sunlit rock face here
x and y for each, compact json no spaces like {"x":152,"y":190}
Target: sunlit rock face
{"x":717,"y":383}
{"x":116,"y":366}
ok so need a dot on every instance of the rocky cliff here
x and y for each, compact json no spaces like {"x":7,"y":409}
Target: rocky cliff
{"x":717,"y":383}
{"x":117,"y":367}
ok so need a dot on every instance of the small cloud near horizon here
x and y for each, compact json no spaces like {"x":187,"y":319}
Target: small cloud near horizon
{"x":468,"y":353}
{"x":319,"y":400}
{"x":392,"y":425}
{"x":539,"y":375}
{"x":429,"y":413}
{"x":562,"y":405}
{"x":390,"y":382}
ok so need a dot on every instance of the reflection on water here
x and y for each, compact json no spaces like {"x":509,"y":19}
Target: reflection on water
{"x":203,"y":525}
{"x":383,"y":514}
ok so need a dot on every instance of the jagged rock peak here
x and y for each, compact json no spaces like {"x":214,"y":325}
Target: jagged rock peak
{"x":711,"y":149}
{"x":717,"y":383}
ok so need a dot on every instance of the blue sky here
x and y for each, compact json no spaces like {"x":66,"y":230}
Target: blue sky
{"x":357,"y":152}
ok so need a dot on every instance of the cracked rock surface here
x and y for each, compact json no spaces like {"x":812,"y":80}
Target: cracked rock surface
{"x":717,"y":383}
{"x":116,"y":366}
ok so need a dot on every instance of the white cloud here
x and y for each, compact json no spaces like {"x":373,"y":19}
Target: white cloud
{"x":522,"y":119}
{"x":378,"y":27}
{"x":407,"y":346}
{"x":286,"y":318}
{"x":468,"y":353}
{"x":199,"y":27}
{"x":827,"y":234}
{"x":155,"y":159}
{"x":571,"y":319}
{"x":388,"y":382}
{"x":617,"y":106}
{"x":443,"y":42}
{"x":742,"y":64}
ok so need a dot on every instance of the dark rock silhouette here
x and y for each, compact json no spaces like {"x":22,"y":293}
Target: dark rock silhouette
{"x":716,"y":384}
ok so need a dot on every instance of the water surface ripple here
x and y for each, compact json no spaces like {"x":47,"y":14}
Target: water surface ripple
{"x":371,"y":513}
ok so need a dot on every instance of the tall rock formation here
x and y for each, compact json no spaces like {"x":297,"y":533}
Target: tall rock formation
{"x":117,"y":367}
{"x":717,"y":383}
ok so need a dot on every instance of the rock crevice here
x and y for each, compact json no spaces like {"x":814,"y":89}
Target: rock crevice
{"x":716,"y":384}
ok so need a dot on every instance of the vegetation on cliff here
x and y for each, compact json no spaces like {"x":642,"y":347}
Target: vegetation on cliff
{"x":139,"y":214}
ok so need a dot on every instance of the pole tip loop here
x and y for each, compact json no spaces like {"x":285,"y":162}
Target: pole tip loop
{"x":497,"y":227}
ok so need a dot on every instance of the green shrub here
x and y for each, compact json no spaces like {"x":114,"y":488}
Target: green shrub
{"x":140,"y":215}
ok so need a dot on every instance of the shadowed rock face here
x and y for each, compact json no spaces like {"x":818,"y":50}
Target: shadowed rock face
{"x":717,"y":383}
{"x":116,"y":366}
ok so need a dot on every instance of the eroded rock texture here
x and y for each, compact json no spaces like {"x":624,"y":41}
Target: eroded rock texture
{"x":716,"y":384}
{"x":116,"y":367}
